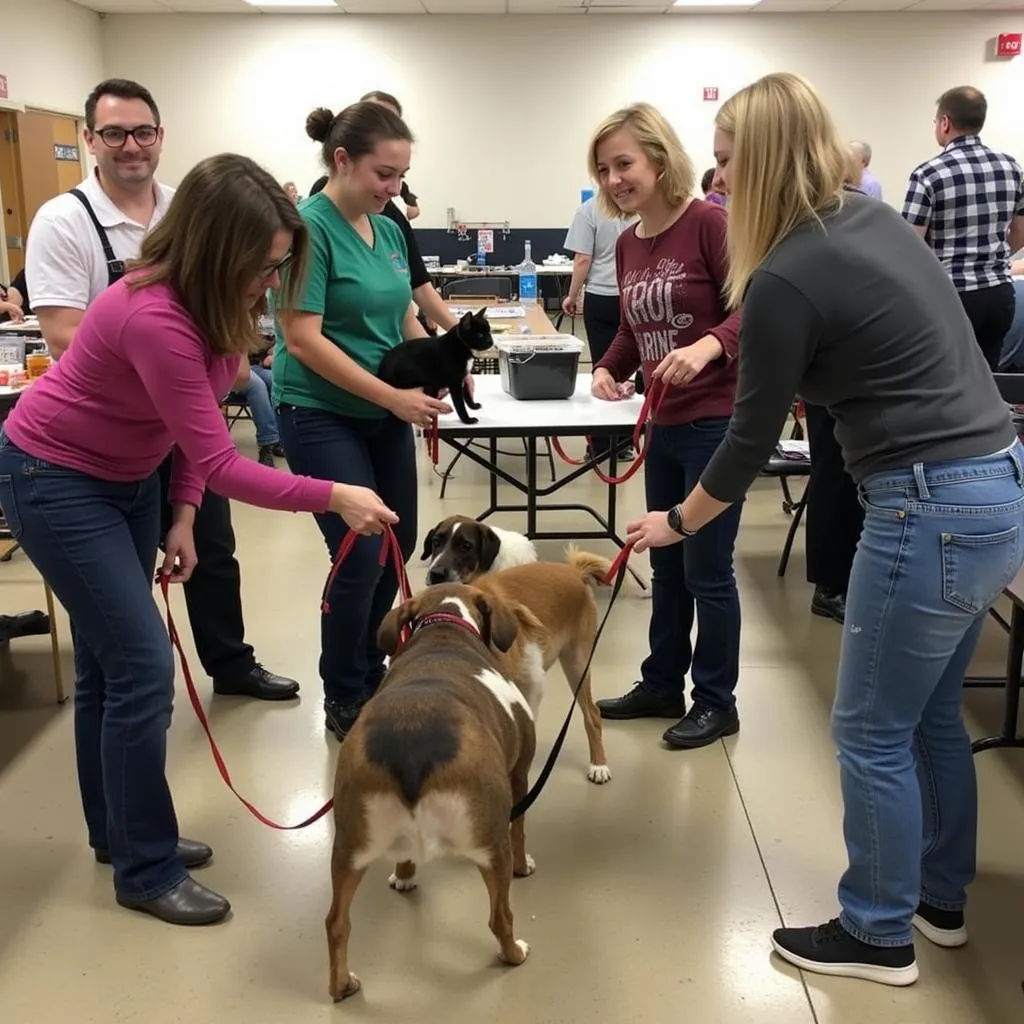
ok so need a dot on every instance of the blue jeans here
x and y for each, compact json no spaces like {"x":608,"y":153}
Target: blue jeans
{"x":257,"y":396}
{"x":376,"y":453}
{"x":940,"y":541}
{"x":95,"y":543}
{"x":694,"y":577}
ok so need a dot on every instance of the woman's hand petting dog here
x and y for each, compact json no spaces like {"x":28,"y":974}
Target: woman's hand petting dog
{"x":361,"y":508}
{"x":413,"y":406}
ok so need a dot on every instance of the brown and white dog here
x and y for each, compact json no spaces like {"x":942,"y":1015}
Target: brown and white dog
{"x":437,"y":760}
{"x":460,"y":549}
{"x":561,"y":599}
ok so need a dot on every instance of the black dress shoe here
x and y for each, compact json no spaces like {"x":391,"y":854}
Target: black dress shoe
{"x":638,"y":703}
{"x":703,"y":725}
{"x":24,"y":624}
{"x":339,"y":718}
{"x":190,"y":853}
{"x":258,"y":683}
{"x":829,"y":604}
{"x":187,"y":903}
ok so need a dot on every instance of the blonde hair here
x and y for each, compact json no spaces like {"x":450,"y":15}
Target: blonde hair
{"x":659,"y":141}
{"x":788,"y":166}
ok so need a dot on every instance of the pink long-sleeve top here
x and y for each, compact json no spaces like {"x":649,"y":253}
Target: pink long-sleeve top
{"x":138,"y":381}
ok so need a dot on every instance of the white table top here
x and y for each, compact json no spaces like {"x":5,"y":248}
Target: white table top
{"x":577,"y":415}
{"x":450,"y":271}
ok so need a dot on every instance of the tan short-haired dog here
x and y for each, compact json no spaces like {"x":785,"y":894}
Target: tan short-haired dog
{"x":437,"y":760}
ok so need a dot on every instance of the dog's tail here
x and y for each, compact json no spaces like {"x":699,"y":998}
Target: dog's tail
{"x":593,"y":568}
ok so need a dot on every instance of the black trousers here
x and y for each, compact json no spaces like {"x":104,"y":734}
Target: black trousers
{"x":601,"y":315}
{"x":834,"y":515}
{"x":990,"y":311}
{"x":213,"y":595}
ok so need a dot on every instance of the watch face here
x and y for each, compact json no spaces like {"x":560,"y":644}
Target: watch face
{"x":675,"y":520}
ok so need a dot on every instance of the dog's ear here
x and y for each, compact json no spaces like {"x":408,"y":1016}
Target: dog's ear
{"x":428,"y":543}
{"x":394,"y":622}
{"x":489,"y":545}
{"x":500,"y":625}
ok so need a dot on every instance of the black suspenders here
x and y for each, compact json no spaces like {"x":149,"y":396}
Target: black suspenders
{"x":115,"y":267}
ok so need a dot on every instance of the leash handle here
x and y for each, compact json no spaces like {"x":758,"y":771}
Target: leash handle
{"x":617,"y":571}
{"x":389,"y":546}
{"x":652,"y":403}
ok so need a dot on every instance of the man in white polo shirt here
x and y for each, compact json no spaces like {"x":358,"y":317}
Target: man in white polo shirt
{"x":78,"y":245}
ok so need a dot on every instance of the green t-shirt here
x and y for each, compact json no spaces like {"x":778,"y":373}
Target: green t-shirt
{"x":361,"y":293}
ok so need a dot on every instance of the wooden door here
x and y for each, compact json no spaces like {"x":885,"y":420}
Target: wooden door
{"x":10,"y":193}
{"x":49,"y":159}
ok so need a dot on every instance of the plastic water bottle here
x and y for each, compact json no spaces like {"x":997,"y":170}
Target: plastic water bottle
{"x":528,"y":278}
{"x":481,"y":253}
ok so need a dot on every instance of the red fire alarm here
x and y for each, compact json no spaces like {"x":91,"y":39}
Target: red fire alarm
{"x":1008,"y":44}
{"x":711,"y":91}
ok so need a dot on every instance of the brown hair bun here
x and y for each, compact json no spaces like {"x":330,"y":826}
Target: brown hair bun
{"x":318,"y":124}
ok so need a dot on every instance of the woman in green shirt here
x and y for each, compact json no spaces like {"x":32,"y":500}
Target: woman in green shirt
{"x":336,"y":415}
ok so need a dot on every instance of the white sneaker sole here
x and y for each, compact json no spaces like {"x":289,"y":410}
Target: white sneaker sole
{"x":896,"y":976}
{"x":946,"y":937}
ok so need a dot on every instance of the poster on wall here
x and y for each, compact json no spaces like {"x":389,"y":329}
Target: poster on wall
{"x":3,"y":87}
{"x":485,"y":240}
{"x":65,"y":153}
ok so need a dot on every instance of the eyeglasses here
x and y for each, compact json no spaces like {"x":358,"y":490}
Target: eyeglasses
{"x":145,"y":135}
{"x":275,"y":268}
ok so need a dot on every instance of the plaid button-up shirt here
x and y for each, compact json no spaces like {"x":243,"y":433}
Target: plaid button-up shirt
{"x":966,"y":197}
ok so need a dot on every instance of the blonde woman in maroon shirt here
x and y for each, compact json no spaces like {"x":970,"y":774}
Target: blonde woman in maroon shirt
{"x":676,"y":327}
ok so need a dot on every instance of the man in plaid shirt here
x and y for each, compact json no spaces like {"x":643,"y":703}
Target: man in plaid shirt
{"x":968,"y":205}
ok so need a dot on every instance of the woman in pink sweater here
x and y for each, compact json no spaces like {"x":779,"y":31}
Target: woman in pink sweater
{"x":152,"y":358}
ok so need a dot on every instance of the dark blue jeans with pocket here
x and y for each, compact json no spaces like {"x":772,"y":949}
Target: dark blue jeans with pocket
{"x":95,"y":543}
{"x":380,"y":454}
{"x":692,"y":578}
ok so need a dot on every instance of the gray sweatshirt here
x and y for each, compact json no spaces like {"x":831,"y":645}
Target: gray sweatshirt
{"x":859,"y":316}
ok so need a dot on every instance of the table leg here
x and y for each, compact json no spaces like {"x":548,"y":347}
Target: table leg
{"x":1014,"y":666}
{"x":531,"y":485}
{"x":492,"y":476}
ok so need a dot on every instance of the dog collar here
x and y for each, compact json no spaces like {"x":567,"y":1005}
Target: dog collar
{"x":445,"y":618}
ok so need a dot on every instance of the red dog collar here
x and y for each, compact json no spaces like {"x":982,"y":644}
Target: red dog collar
{"x":446,"y":618}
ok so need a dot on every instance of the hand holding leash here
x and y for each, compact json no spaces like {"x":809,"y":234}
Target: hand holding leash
{"x":361,"y":509}
{"x":180,"y":557}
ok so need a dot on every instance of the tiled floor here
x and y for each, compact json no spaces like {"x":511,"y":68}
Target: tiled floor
{"x":654,"y":896}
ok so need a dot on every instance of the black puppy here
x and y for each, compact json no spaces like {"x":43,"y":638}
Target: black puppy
{"x":442,"y":362}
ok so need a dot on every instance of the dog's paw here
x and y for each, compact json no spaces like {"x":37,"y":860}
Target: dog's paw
{"x":526,"y":869}
{"x":401,"y":884}
{"x":599,"y":774}
{"x":350,"y":988}
{"x":522,"y":951}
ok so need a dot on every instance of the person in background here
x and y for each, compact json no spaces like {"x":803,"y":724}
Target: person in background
{"x":433,"y":308}
{"x":79,"y":488}
{"x":291,"y":191}
{"x":867,"y":182}
{"x":256,"y":392}
{"x":968,"y":205}
{"x":672,"y":271}
{"x":338,"y":419}
{"x":14,"y":303}
{"x":843,"y":305}
{"x":1011,"y":356}
{"x":592,"y":239}
{"x":67,"y":268}
{"x":711,"y":188}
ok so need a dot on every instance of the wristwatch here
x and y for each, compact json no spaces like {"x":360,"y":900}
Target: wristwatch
{"x":675,"y":521}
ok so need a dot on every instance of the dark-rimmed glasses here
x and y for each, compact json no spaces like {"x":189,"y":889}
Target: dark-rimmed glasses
{"x":145,"y":135}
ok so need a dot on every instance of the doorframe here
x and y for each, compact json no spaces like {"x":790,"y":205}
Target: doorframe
{"x":21,"y":108}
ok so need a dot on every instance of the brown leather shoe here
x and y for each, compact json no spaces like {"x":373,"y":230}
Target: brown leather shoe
{"x":188,"y":903}
{"x":191,"y":853}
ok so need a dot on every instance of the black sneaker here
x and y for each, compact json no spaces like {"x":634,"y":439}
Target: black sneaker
{"x":266,"y":455}
{"x":638,"y":703}
{"x":945,"y":928}
{"x":831,"y":949}
{"x":701,"y":726}
{"x":278,"y":450}
{"x":829,"y":604}
{"x":339,"y":718}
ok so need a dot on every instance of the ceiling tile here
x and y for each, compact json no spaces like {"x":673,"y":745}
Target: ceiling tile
{"x":381,"y":6}
{"x":796,"y":6}
{"x":209,"y":7}
{"x":880,"y":5}
{"x":464,"y":6}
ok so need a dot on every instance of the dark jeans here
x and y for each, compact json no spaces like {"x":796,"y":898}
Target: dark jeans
{"x":213,"y":595}
{"x":375,"y":453}
{"x":990,"y":311}
{"x":834,"y":513}
{"x":95,"y":543}
{"x":692,"y":577}
{"x":601,"y":314}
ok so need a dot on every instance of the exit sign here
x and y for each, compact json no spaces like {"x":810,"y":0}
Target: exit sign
{"x":711,"y":91}
{"x":3,"y":87}
{"x":1008,"y":44}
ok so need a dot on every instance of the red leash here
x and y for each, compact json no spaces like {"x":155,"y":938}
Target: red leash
{"x":389,"y":546}
{"x":652,"y":403}
{"x":432,"y":436}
